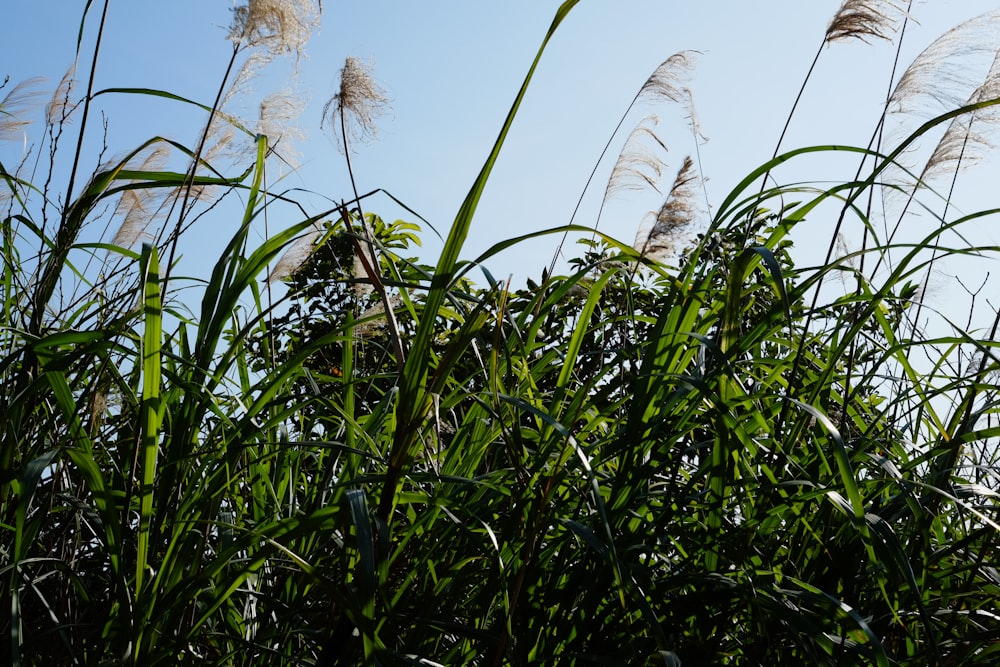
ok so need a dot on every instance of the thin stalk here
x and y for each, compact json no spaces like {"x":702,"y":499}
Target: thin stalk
{"x":791,"y":113}
{"x":586,"y":186}
{"x":876,"y":136}
{"x":71,"y":220}
{"x":175,"y":235}
{"x":877,"y":140}
{"x":934,"y":252}
{"x":86,"y":110}
{"x":373,"y":272}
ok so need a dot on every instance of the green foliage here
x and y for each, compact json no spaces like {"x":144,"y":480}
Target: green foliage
{"x":718,"y":462}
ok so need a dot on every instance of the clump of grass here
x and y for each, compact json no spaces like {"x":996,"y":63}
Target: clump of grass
{"x":682,"y":452}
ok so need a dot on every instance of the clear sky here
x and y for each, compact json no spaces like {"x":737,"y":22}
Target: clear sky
{"x":452,"y":68}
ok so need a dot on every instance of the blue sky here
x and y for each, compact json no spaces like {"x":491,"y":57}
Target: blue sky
{"x":452,"y":69}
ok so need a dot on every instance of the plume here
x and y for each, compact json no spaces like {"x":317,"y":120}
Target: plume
{"x":61,"y":105}
{"x":968,"y":137}
{"x":139,"y":208}
{"x":864,"y":20}
{"x":276,"y":120}
{"x":941,"y":76}
{"x":297,"y":254}
{"x":359,"y":101}
{"x":275,"y":27}
{"x":667,"y":82}
{"x":16,"y":106}
{"x":640,"y":163}
{"x":678,"y":211}
{"x":693,"y":120}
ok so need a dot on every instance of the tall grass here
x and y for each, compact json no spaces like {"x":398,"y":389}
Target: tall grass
{"x":689,"y":450}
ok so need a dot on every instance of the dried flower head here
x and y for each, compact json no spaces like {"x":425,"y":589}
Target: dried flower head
{"x":864,"y":20}
{"x":693,"y":120}
{"x":16,"y":107}
{"x":357,"y":104}
{"x":969,"y":137}
{"x":61,"y":105}
{"x":297,"y":254}
{"x":667,"y":82}
{"x":275,"y":26}
{"x":640,"y":163}
{"x":276,"y":121}
{"x":943,"y":75}
{"x":673,"y":218}
{"x":139,"y":208}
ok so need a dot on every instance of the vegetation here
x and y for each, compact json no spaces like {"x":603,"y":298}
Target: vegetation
{"x":688,"y":450}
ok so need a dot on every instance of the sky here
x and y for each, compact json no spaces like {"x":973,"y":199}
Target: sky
{"x":451,"y":70}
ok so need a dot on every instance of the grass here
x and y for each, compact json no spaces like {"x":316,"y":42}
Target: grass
{"x":690,"y":450}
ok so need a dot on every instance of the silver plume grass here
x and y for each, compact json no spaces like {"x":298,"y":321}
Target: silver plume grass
{"x":667,"y":231}
{"x":16,"y":108}
{"x":139,"y":208}
{"x":668,"y":81}
{"x":61,"y":105}
{"x":943,"y":74}
{"x":969,"y":136}
{"x":297,"y":254}
{"x":277,"y":121}
{"x":358,"y":103}
{"x":640,"y":164}
{"x":276,"y":27}
{"x":864,"y":20}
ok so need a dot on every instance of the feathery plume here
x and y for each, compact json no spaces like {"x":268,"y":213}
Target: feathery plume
{"x":359,"y":102}
{"x":640,"y":164}
{"x":674,"y":216}
{"x":939,"y":79}
{"x":61,"y":106}
{"x":276,"y":121}
{"x":367,"y":324}
{"x":864,"y":20}
{"x":693,"y":120}
{"x":16,"y":106}
{"x":967,"y":138}
{"x":843,"y":250}
{"x":667,"y":82}
{"x":940,"y":75}
{"x":274,"y":26}
{"x":363,"y":285}
{"x":297,"y":254}
{"x":139,"y":208}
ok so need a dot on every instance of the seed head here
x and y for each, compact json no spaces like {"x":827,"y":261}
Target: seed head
{"x":667,"y":82}
{"x":16,"y":106}
{"x":61,"y":105}
{"x":673,"y":218}
{"x":140,"y":208}
{"x":275,"y":26}
{"x":358,"y":102}
{"x":864,"y":20}
{"x":640,"y":164}
{"x":297,"y":254}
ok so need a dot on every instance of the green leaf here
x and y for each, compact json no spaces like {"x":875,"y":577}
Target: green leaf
{"x":151,"y":417}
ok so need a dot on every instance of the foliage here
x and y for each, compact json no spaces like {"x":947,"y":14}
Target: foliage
{"x":718,"y":462}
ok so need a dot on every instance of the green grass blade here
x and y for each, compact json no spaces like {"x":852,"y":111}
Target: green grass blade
{"x":413,"y":403}
{"x":151,"y":417}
